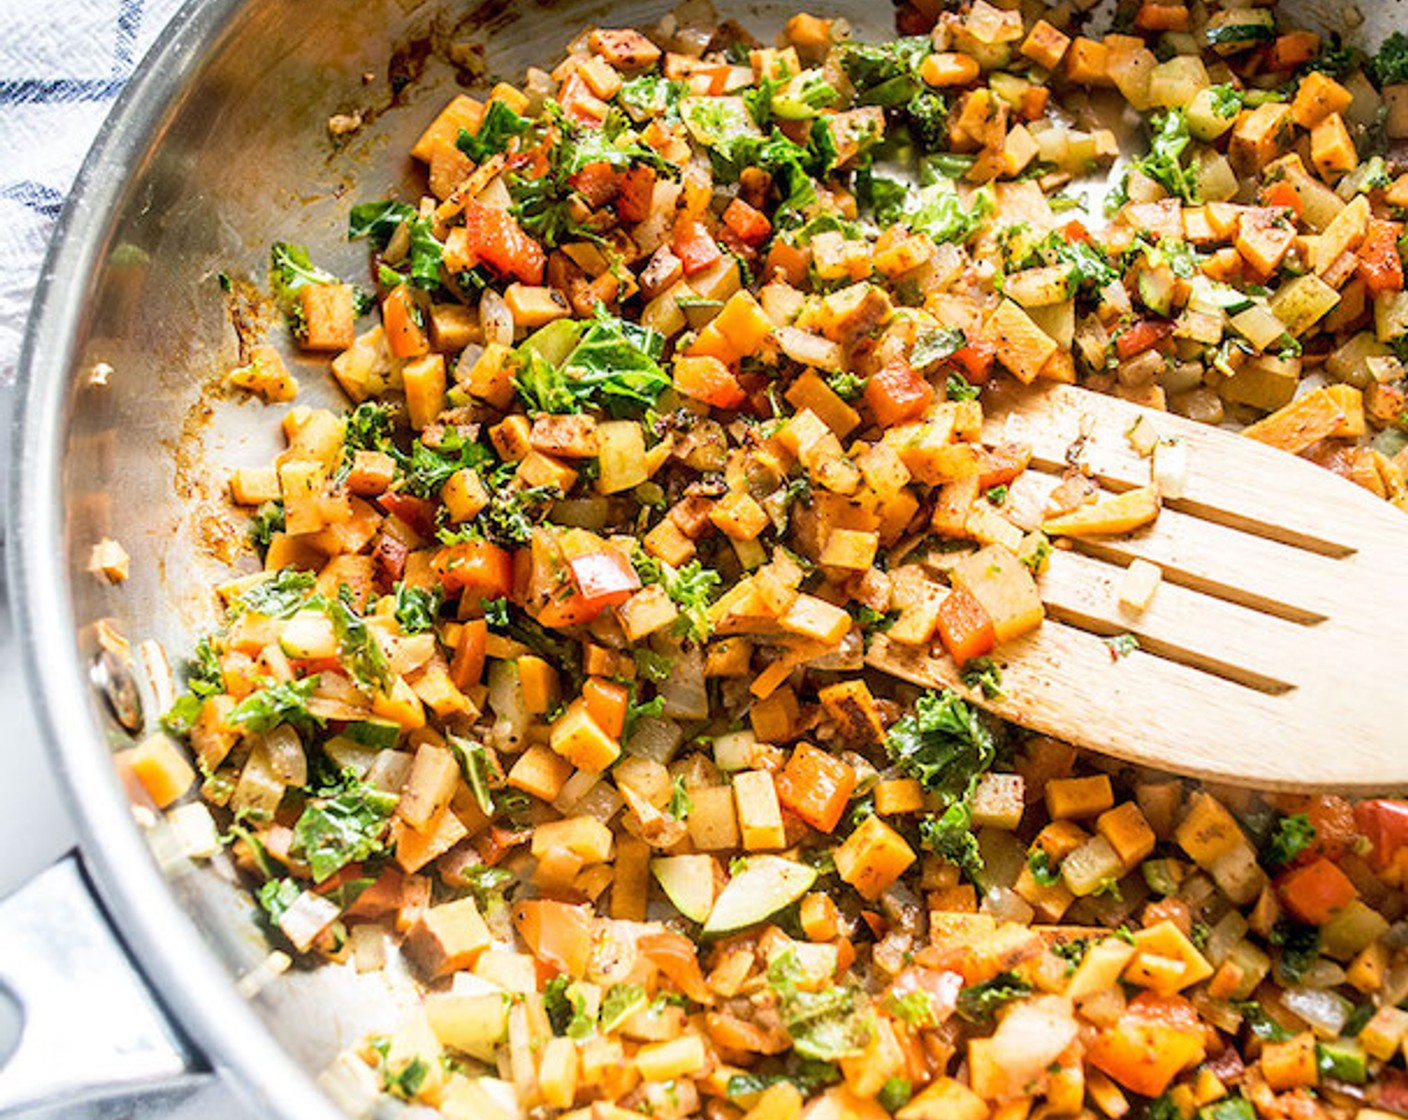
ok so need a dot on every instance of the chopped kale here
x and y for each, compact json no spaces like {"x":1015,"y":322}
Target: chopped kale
{"x":283,"y":702}
{"x":933,"y":345}
{"x":280,"y":597}
{"x":500,"y":125}
{"x":335,"y":831}
{"x":886,"y":73}
{"x":417,"y":607}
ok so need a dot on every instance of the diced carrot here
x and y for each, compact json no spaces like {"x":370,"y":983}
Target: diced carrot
{"x":1143,"y":335}
{"x":476,"y":568}
{"x":405,"y":334}
{"x":693,"y":245}
{"x":1293,"y":49}
{"x":816,"y":786}
{"x":637,"y":190}
{"x":1282,"y":195}
{"x":1154,"y":16}
{"x":569,"y":608}
{"x":965,"y":628}
{"x":1380,"y":265}
{"x":499,"y":241}
{"x":705,"y":378}
{"x":897,"y":392}
{"x":751,"y":225}
{"x":1316,"y":892}
{"x":606,"y":703}
{"x":467,"y":667}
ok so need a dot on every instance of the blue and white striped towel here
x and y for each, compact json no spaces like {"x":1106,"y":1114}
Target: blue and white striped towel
{"x":62,"y":63}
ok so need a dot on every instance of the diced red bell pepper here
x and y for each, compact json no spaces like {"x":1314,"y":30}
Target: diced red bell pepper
{"x":1380,"y":264}
{"x":965,"y":628}
{"x":604,"y":578}
{"x":1385,"y":823}
{"x":1316,"y":892}
{"x":1141,"y":336}
{"x":751,"y":225}
{"x":477,"y":569}
{"x":897,"y":392}
{"x":696,"y":249}
{"x":417,"y":513}
{"x":499,"y":241}
{"x":1075,"y":232}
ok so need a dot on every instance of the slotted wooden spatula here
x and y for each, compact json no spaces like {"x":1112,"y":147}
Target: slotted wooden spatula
{"x":1275,"y":652}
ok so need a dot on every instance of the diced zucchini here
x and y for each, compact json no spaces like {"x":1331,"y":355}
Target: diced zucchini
{"x":762,"y":886}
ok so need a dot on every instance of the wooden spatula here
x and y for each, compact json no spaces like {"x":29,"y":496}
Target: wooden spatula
{"x":1275,"y":651}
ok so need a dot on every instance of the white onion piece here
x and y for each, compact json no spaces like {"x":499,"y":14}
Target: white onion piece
{"x":389,"y":770}
{"x":655,"y":739}
{"x":495,"y":318}
{"x":685,"y":694}
{"x":510,"y":708}
{"x":1006,"y":905}
{"x":1323,"y":973}
{"x":1324,"y":1012}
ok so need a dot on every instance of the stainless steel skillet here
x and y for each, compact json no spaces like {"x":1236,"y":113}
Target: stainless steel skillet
{"x":218,"y":148}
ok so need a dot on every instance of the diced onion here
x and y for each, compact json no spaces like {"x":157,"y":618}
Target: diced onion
{"x":685,"y":694}
{"x":389,"y":771}
{"x":1324,"y":1012}
{"x":495,"y":318}
{"x":655,"y":739}
{"x":287,"y":760}
{"x":1006,"y":905}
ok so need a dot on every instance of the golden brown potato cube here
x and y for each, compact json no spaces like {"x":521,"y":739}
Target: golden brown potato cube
{"x":447,"y":938}
{"x":371,"y":473}
{"x":572,"y":436}
{"x":1046,"y":45}
{"x":329,"y":316}
{"x":624,"y":48}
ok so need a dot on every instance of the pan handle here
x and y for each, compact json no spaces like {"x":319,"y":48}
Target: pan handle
{"x":91,"y":1028}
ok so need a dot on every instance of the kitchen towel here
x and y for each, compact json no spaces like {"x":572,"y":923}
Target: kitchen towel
{"x":62,"y":64}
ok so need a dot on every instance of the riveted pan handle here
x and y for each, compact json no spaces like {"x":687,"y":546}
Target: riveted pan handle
{"x":91,"y":1028}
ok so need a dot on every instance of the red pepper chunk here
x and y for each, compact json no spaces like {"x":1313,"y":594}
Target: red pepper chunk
{"x":1142,"y":336}
{"x":499,"y":241}
{"x":476,"y":569}
{"x":1385,"y":823}
{"x":1316,"y":892}
{"x":604,"y":578}
{"x":693,"y":245}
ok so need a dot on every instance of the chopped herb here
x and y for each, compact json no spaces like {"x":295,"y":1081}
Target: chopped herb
{"x":1300,"y":948}
{"x":1291,"y":836}
{"x":620,"y":1003}
{"x":495,"y":613}
{"x":996,"y":495}
{"x":280,"y":597}
{"x":934,"y":345}
{"x":1121,"y":645}
{"x":895,"y":1093}
{"x":982,"y":674}
{"x":846,"y":384}
{"x":1072,"y":952}
{"x":360,"y":651}
{"x":477,"y":769}
{"x":1046,"y":873}
{"x":654,"y":667}
{"x":681,"y":804}
{"x":268,"y":519}
{"x":277,"y":896}
{"x":958,"y":389}
{"x":1390,"y":65}
{"x":691,"y":588}
{"x":914,"y":1008}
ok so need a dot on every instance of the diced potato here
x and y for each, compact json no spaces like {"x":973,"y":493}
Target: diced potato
{"x":1078,"y":798}
{"x":1138,"y":585}
{"x":580,"y":740}
{"x":1208,"y":830}
{"x":1119,"y":513}
{"x":1021,"y":346}
{"x":1005,"y":588}
{"x":1091,"y":867}
{"x":157,"y":762}
{"x":999,"y":801}
{"x":759,"y":813}
{"x":447,"y":938}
